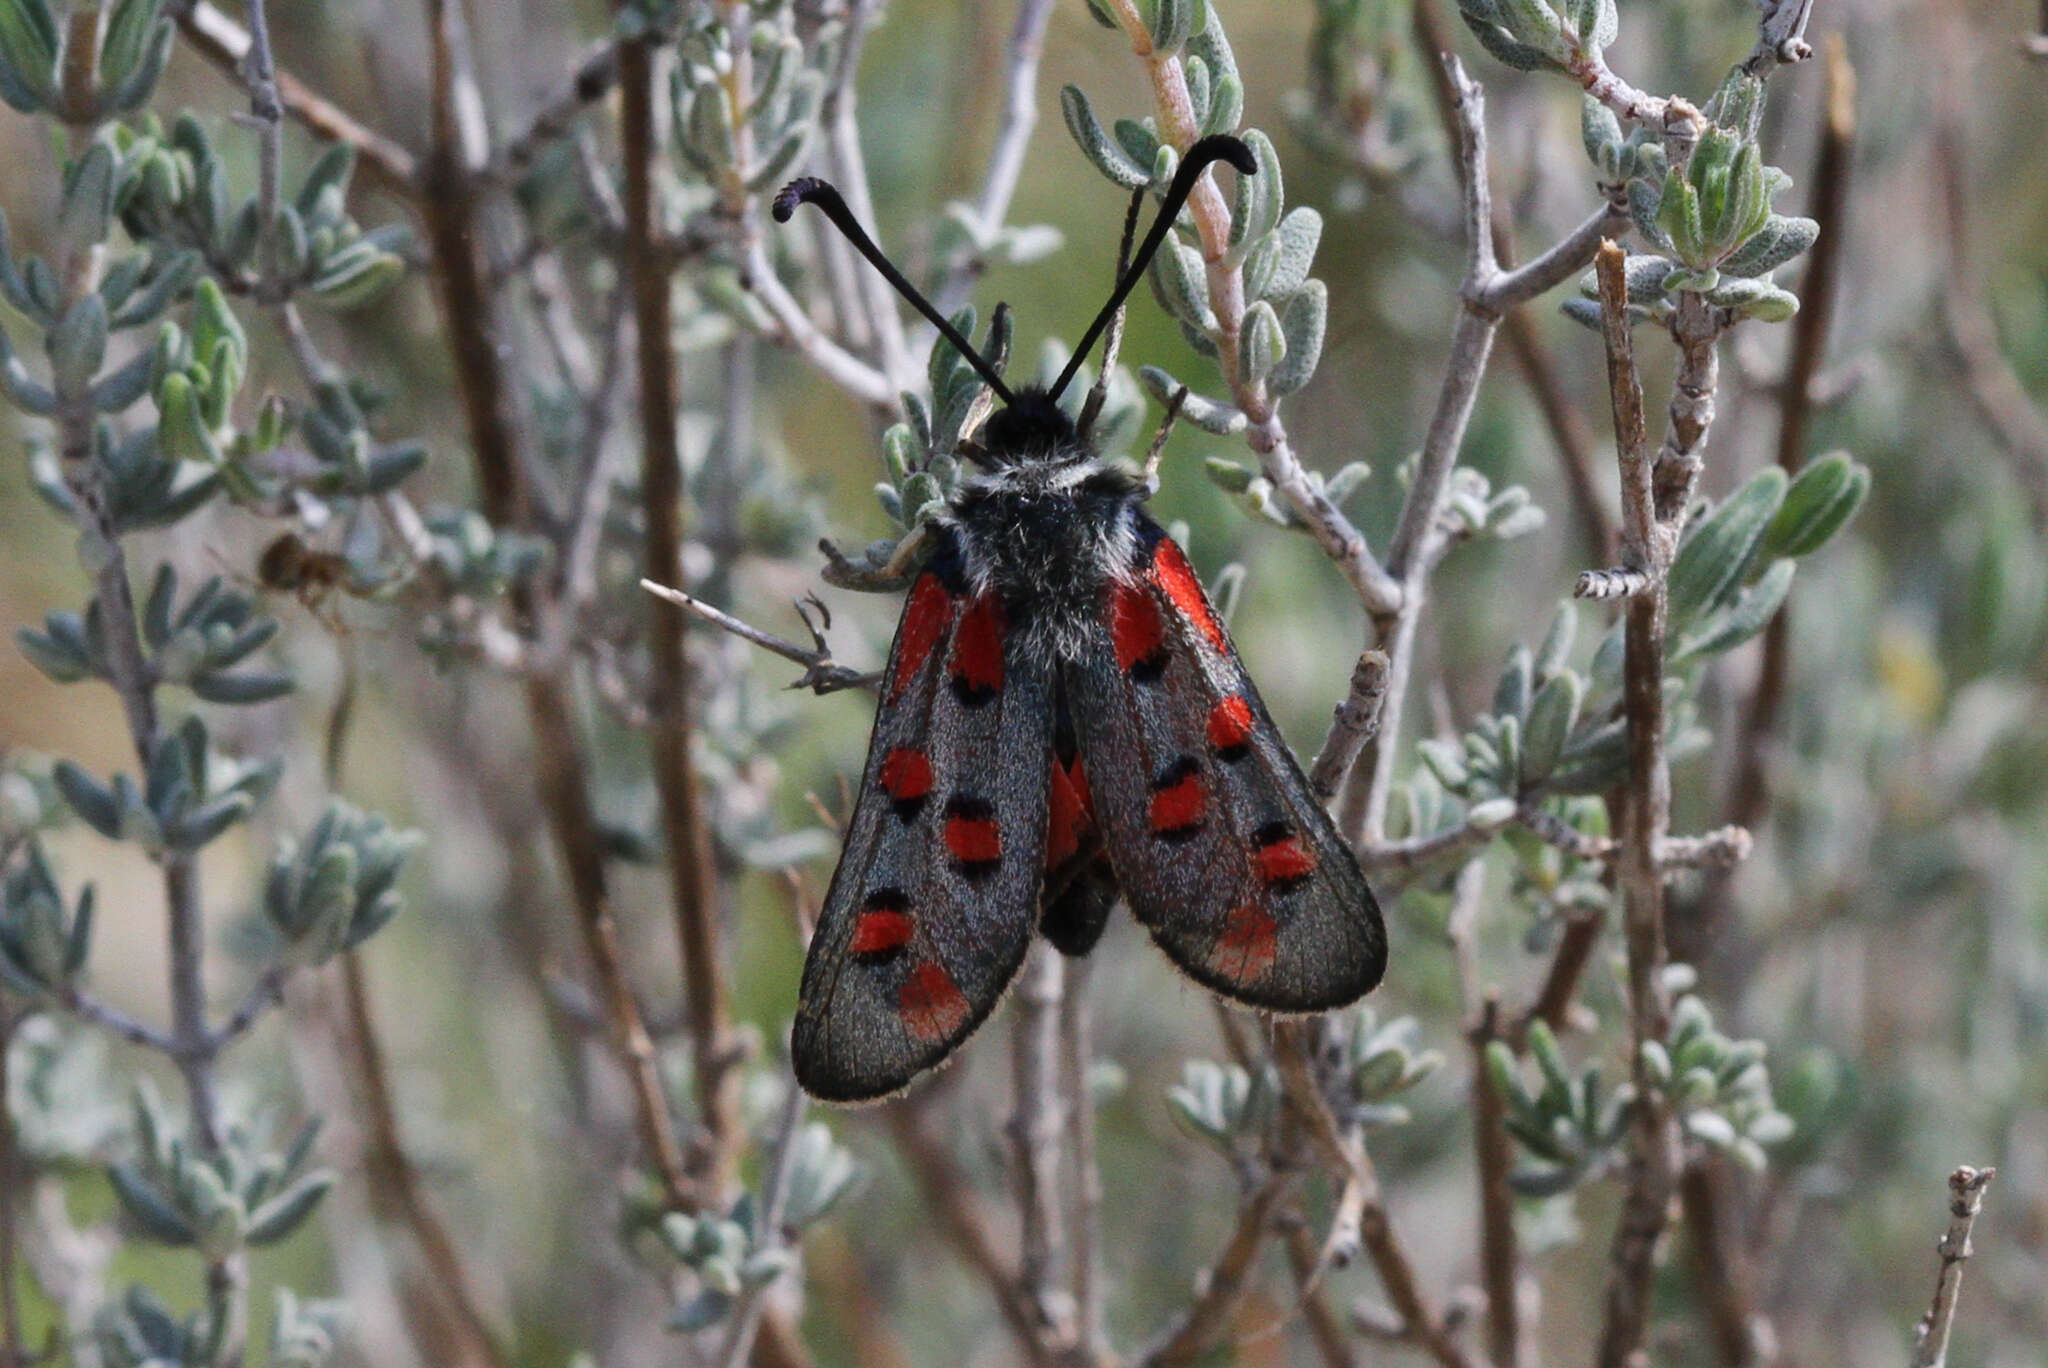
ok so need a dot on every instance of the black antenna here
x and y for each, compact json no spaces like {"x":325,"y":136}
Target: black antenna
{"x":1215,"y":147}
{"x":811,"y":190}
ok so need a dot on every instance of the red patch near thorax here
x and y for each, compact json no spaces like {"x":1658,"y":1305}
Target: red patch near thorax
{"x":1230,"y":723}
{"x":878,"y":931}
{"x":1134,"y":625}
{"x":978,"y":646}
{"x":1248,"y":946}
{"x":973,"y":840}
{"x":1068,"y":818}
{"x":924,"y":622}
{"x":931,"y":1004}
{"x":1179,"y":805}
{"x":1171,"y":571}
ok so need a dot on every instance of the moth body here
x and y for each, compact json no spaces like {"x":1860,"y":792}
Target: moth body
{"x":1045,"y":528}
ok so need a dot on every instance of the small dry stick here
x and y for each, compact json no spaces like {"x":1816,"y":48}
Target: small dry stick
{"x":746,"y":1317}
{"x":1965,"y":1195}
{"x":13,"y":1342}
{"x":1224,"y":1284}
{"x":1647,"y":542}
{"x":1035,"y":1131}
{"x":822,"y":675}
{"x":1421,"y":1324}
{"x":224,"y":43}
{"x":1356,"y":721}
{"x":948,"y":1192}
{"x":1084,"y":1222}
{"x":695,"y":893}
{"x":1500,"y":1256}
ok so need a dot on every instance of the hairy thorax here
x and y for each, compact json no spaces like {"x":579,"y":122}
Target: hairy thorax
{"x":1047,"y":535}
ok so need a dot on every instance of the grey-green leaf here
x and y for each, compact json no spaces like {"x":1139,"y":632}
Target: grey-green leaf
{"x":1819,"y":504}
{"x":1304,"y":319}
{"x":1718,"y":548}
{"x":1097,"y":145}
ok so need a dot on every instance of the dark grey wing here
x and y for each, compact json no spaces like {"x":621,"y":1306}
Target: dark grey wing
{"x":1219,"y":845}
{"x":931,"y":909}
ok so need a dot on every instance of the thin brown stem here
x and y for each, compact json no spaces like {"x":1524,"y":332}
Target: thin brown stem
{"x":1721,"y":1275}
{"x":1553,"y":1002}
{"x":1035,"y":1129}
{"x":1965,"y":1198}
{"x":1421,"y":1323}
{"x":1325,"y":1327}
{"x":1749,"y":787}
{"x":948,"y":1194}
{"x":693,"y":869}
{"x":13,"y":1182}
{"x":560,"y":768}
{"x":1223,"y":1286}
{"x":465,"y":1329}
{"x":1417,"y":544}
{"x":1575,"y":446}
{"x":1652,"y":511}
{"x":1499,"y":1251}
{"x":461,"y":1327}
{"x":1084,"y":1218}
{"x":595,"y":74}
{"x":225,"y":44}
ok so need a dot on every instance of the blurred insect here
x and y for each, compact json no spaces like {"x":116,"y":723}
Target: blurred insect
{"x":289,"y":565}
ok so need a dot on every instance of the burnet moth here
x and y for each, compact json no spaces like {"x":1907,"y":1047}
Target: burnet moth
{"x":1063,"y":719}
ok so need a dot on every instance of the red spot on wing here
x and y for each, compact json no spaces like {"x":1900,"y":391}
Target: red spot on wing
{"x":1230,"y":723}
{"x":1134,"y":626}
{"x":1248,"y":945}
{"x":1172,"y":573}
{"x":973,"y":839}
{"x":879,"y":931}
{"x":924,"y":622}
{"x":1283,"y":861}
{"x":978,"y":648}
{"x":931,"y":1004}
{"x":1069,"y":817}
{"x":906,"y":774}
{"x":1178,"y":805}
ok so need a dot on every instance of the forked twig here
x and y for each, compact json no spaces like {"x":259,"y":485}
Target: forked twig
{"x":822,"y":674}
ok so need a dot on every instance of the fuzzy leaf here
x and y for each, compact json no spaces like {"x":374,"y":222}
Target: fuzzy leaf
{"x":1304,"y":319}
{"x":1260,"y":197}
{"x":1742,"y":619}
{"x":1552,"y":715}
{"x":1777,"y":242}
{"x":1097,"y":145}
{"x":1819,"y":504}
{"x":1210,"y":415}
{"x":148,"y":1207}
{"x":1260,"y":345}
{"x":281,"y":1215}
{"x":1718,"y":547}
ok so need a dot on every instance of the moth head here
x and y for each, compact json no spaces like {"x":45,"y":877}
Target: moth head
{"x":1032,"y":426}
